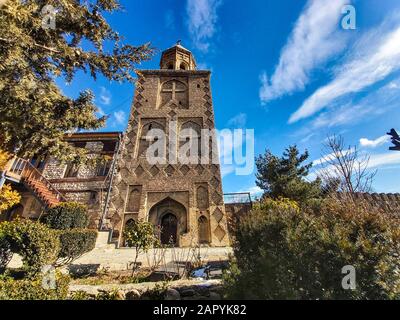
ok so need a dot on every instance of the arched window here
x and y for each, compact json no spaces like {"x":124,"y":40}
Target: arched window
{"x":202,"y":198}
{"x":170,"y":66}
{"x":133,"y":204}
{"x":204,"y":230}
{"x":129,"y":223}
{"x":144,"y":144}
{"x":183,"y":66}
{"x":190,"y":141}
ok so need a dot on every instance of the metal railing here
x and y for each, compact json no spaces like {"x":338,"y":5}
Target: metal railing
{"x":240,"y":197}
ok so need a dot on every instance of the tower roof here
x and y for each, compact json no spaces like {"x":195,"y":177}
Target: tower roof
{"x":177,"y":57}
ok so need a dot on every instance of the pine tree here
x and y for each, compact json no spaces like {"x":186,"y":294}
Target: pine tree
{"x":286,"y":176}
{"x":43,"y":40}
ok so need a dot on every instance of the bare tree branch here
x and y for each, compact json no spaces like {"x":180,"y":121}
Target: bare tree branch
{"x":347,"y":167}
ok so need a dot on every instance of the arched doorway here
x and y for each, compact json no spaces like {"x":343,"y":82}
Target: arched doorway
{"x":170,"y":218}
{"x":204,"y":230}
{"x":169,"y":229}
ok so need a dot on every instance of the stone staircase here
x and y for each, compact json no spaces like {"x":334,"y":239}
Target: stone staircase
{"x":21,"y":171}
{"x":103,"y":240}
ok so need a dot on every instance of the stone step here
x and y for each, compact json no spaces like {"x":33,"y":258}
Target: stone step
{"x":102,"y":240}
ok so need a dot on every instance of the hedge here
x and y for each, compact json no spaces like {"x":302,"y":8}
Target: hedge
{"x":67,"y":215}
{"x":33,"y":289}
{"x":74,"y":243}
{"x":37,"y":244}
{"x":5,"y":253}
{"x":285,"y":253}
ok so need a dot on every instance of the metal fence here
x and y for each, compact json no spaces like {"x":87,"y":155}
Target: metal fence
{"x":241,"y":197}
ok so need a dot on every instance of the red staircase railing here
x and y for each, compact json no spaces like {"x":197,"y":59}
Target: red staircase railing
{"x":25,"y":172}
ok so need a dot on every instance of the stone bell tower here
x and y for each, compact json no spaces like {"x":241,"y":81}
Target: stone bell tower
{"x":183,"y":200}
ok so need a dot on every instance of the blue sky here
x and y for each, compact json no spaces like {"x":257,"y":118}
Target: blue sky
{"x":286,"y":69}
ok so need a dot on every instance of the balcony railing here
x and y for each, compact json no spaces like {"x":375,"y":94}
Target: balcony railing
{"x":237,"y":198}
{"x":20,"y":170}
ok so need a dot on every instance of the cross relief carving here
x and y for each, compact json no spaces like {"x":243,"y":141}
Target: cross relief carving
{"x":174,"y":92}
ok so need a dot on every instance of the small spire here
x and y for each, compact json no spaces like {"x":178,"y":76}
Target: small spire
{"x":179,"y":42}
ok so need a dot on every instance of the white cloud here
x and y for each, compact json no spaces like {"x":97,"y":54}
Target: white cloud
{"x":315,"y":38}
{"x":376,"y":161}
{"x":394,"y":85}
{"x":238,"y":121}
{"x":331,"y":156}
{"x":120,"y":117}
{"x":169,"y":19}
{"x":384,"y":159}
{"x":367,"y":65}
{"x":105,"y":96}
{"x":202,"y":19}
{"x":372,"y":105}
{"x":365,"y":142}
{"x":255,"y":191}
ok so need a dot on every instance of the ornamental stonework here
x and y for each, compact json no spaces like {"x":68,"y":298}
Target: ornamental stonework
{"x":185,"y":200}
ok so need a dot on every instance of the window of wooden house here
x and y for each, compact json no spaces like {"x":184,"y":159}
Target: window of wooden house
{"x":72,"y":171}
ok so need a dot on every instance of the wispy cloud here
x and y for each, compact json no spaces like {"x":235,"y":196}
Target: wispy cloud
{"x":315,"y":38}
{"x":202,"y":18}
{"x":169,"y":19}
{"x":238,"y":121}
{"x":372,"y":105}
{"x":120,"y":117}
{"x":105,"y":96}
{"x":384,"y":159}
{"x":376,"y":161}
{"x":365,"y":142}
{"x":255,"y":192}
{"x":365,"y":66}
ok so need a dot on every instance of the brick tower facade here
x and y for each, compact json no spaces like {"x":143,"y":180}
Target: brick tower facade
{"x":184,"y":200}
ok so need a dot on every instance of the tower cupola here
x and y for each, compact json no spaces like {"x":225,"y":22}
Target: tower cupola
{"x":177,"y":58}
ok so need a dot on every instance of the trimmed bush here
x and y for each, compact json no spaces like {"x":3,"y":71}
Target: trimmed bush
{"x":67,"y":215}
{"x":74,"y":243}
{"x":37,"y":244}
{"x":5,"y":253}
{"x":285,"y":253}
{"x":33,"y":288}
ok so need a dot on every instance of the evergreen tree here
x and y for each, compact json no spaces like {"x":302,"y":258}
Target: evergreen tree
{"x":286,"y":176}
{"x":41,"y":40}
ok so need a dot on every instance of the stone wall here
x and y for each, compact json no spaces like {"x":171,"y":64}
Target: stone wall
{"x":175,"y":290}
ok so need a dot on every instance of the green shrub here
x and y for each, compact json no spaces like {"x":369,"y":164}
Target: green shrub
{"x":5,"y":253}
{"x":33,"y":288}
{"x":74,"y":243}
{"x":37,"y":244}
{"x":67,"y":215}
{"x":110,"y":295}
{"x":81,"y":295}
{"x":140,"y":235}
{"x":283,"y":253}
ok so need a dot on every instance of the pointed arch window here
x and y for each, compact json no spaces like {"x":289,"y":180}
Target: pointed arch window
{"x":190,"y":141}
{"x":144,"y":144}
